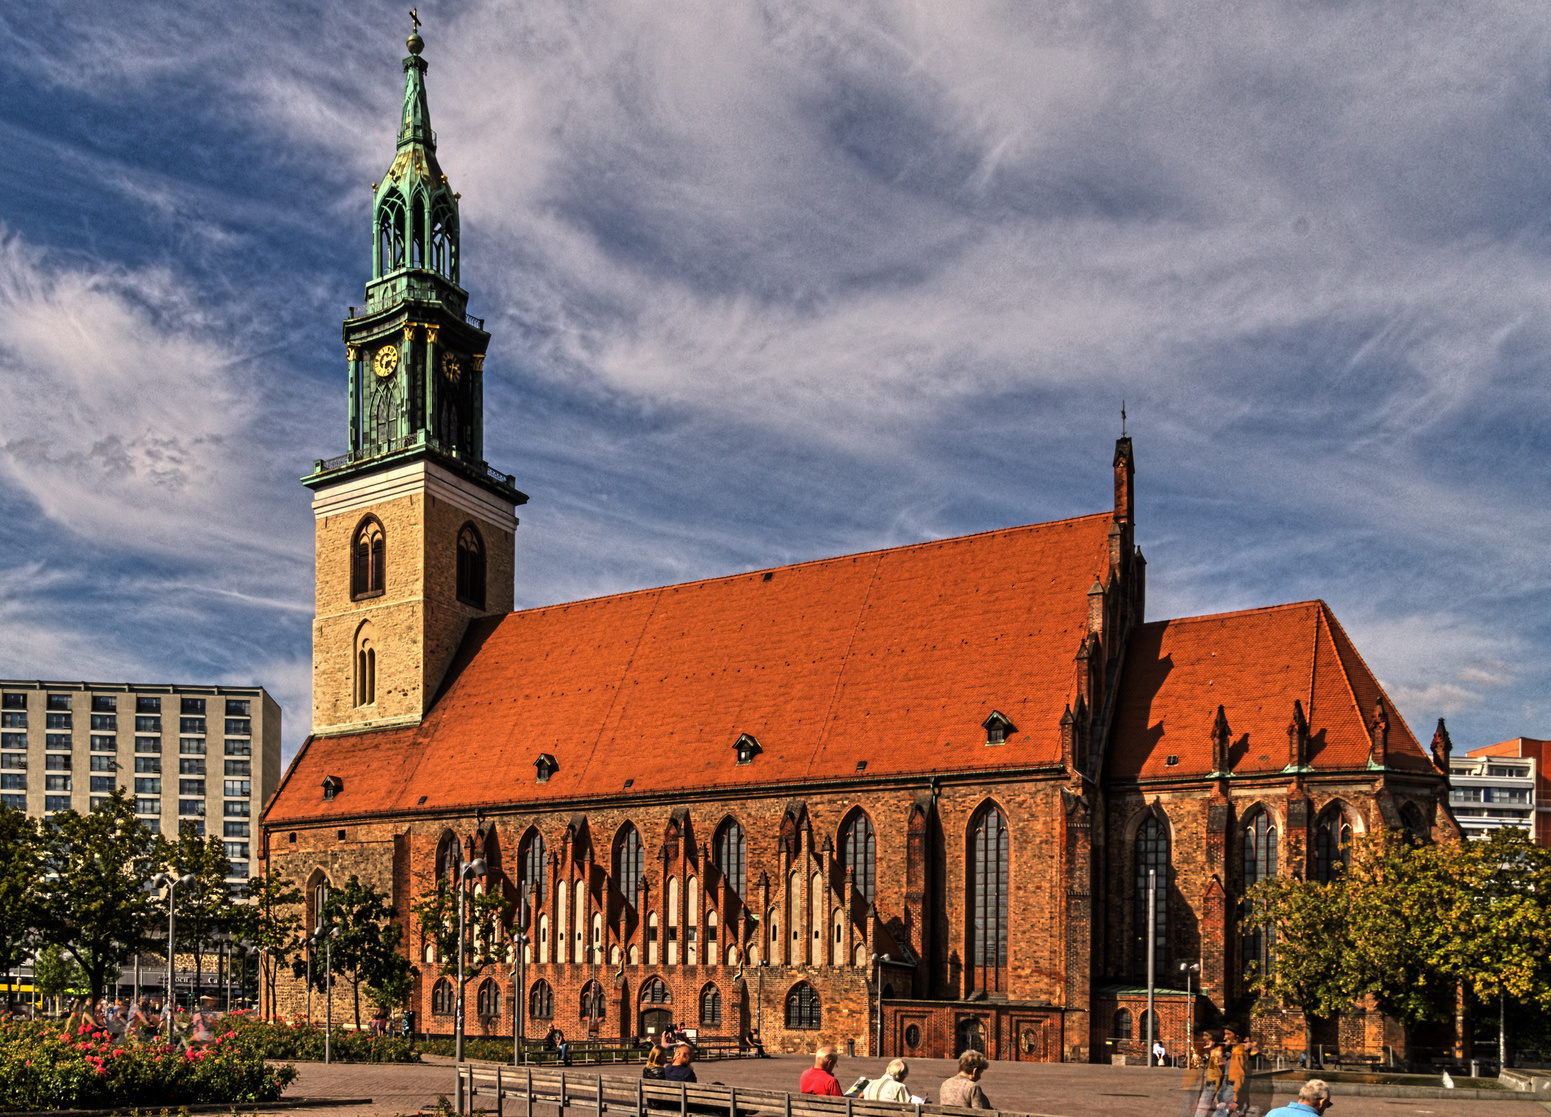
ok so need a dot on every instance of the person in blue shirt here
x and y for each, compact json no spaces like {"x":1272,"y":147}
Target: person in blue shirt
{"x":680,"y":1070}
{"x":1313,"y":1099}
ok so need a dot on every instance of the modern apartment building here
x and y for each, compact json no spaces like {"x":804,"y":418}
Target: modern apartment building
{"x":1489,"y":791}
{"x":209,"y":755}
{"x":1514,"y":754}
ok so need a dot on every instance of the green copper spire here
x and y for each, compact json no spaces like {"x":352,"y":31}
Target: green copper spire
{"x":416,"y":356}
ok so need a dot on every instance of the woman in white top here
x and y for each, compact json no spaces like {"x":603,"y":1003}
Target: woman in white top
{"x":891,"y":1087}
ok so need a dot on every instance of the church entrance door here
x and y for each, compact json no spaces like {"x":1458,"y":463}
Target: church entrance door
{"x":655,"y":1021}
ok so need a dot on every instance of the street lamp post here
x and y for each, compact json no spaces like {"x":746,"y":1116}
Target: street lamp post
{"x":520,"y":977}
{"x":1152,"y":958}
{"x":162,"y":880}
{"x":877,"y":969}
{"x":1189,"y":969}
{"x":759,"y":1001}
{"x":475,"y":867}
{"x":328,"y":938}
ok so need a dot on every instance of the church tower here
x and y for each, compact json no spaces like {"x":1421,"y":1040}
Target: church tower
{"x":414,"y":529}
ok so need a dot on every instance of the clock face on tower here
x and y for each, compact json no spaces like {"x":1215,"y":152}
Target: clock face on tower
{"x":452,"y":367}
{"x":386,"y":360}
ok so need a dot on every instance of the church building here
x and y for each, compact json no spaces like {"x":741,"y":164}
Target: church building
{"x":907,"y":801}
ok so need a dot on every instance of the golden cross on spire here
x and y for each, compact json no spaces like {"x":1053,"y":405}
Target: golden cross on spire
{"x":414,"y":17}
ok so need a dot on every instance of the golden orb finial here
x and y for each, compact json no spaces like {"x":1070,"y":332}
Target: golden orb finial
{"x":415,"y":43}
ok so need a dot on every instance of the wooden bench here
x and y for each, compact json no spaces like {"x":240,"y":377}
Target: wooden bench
{"x":598,"y":1094}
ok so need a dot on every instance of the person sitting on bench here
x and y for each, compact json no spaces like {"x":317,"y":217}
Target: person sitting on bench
{"x":751,"y":1040}
{"x":554,"y":1040}
{"x":680,"y":1070}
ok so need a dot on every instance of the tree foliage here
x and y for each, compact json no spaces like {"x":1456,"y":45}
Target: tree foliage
{"x":272,"y":924}
{"x":21,"y":866}
{"x":202,"y":909}
{"x":366,"y":948}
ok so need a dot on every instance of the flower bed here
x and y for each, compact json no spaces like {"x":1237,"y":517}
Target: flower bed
{"x":280,"y":1040}
{"x":44,"y":1067}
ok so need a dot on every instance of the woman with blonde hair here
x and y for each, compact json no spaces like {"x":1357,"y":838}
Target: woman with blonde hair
{"x":890,"y":1087}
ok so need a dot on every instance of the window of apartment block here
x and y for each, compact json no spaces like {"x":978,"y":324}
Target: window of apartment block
{"x":191,"y":746}
{"x":237,"y":808}
{"x":56,"y":763}
{"x":199,"y":827}
{"x":13,"y":760}
{"x":57,"y":741}
{"x":191,"y":787}
{"x":237,"y":707}
{"x":104,"y":764}
{"x":236,"y":851}
{"x":148,"y":806}
{"x":148,"y":786}
{"x":193,"y":706}
{"x":13,"y":782}
{"x":104,"y":743}
{"x":148,"y":744}
{"x":56,"y":803}
{"x":191,"y":725}
{"x":13,"y":719}
{"x":13,"y":740}
{"x":107,"y":723}
{"x":96,"y":801}
{"x":191,"y":807}
{"x":14,"y":802}
{"x":240,"y":727}
{"x":104,"y":703}
{"x":56,"y":783}
{"x":13,"y":702}
{"x":59,"y":701}
{"x":147,"y":704}
{"x":239,"y":768}
{"x":238,"y":787}
{"x":148,"y":764}
{"x":234,"y":829}
{"x":239,"y":748}
{"x":103,"y":783}
{"x":239,"y":869}
{"x":191,"y":766}
{"x":57,"y":721}
{"x":148,"y":724}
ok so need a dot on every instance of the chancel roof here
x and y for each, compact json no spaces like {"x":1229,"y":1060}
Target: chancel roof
{"x":1254,"y":664}
{"x":890,"y":659}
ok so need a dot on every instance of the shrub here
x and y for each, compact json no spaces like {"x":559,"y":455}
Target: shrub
{"x":44,"y":1067}
{"x":281,"y":1040}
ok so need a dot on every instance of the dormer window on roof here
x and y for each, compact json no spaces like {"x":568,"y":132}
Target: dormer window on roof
{"x":546,"y":766}
{"x":747,"y":748}
{"x":997,"y":728}
{"x":332,"y":786}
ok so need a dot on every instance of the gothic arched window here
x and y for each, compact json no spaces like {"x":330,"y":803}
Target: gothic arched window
{"x":629,"y":862}
{"x":859,"y":852}
{"x":1259,"y":864}
{"x":710,"y":1005}
{"x":365,"y":666}
{"x":1332,"y":846}
{"x":441,"y":997}
{"x":1152,"y":865}
{"x":592,"y":1002}
{"x":449,"y":861}
{"x":444,"y":240}
{"x":541,"y":1001}
{"x":390,"y":235}
{"x":417,"y":232}
{"x":1122,"y":1025}
{"x":730,"y":854}
{"x":988,"y":857}
{"x":1416,"y":829}
{"x":368,"y":559}
{"x":803,"y":1009}
{"x":656,"y":992}
{"x":530,"y":866}
{"x":488,"y":999}
{"x":471,"y":567}
{"x":382,"y":421}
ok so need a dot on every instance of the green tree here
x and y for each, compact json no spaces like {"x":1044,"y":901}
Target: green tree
{"x":21,"y":868}
{"x":54,"y":975}
{"x":1314,"y":970}
{"x":437,"y":912}
{"x":204,"y":908}
{"x":366,"y":950}
{"x":273,"y":925}
{"x":93,"y":904}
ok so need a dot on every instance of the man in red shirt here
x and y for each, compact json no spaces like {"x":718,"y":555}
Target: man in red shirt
{"x":820,"y":1077}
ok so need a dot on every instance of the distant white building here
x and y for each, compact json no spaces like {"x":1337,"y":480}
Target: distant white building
{"x":1489,"y":792}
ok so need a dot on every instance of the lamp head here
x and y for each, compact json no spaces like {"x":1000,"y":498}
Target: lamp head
{"x":475,"y":868}
{"x":186,"y":880}
{"x":160,"y":880}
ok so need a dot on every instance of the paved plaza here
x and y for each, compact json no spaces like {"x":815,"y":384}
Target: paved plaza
{"x":1056,"y":1089}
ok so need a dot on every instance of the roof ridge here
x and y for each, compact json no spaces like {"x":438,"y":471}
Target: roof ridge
{"x":1237,"y":612}
{"x":811,"y":562}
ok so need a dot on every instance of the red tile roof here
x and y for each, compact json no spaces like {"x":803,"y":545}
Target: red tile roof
{"x":891,"y":657}
{"x":1254,"y":664}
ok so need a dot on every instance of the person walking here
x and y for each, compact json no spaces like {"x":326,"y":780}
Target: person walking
{"x":963,"y":1089}
{"x":1236,"y":1073}
{"x":891,"y":1086}
{"x":820,"y":1077}
{"x":1313,"y":1099}
{"x":680,"y":1070}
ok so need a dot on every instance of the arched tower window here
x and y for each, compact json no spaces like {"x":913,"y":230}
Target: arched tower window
{"x":390,"y":235}
{"x":471,"y":567}
{"x":803,"y":1009}
{"x":382,"y":421}
{"x":1152,"y":857}
{"x":365,"y":666}
{"x":629,"y":863}
{"x":730,"y":854}
{"x":368,"y":559}
{"x":859,"y":852}
{"x":541,"y":1001}
{"x":417,"y":232}
{"x":1332,"y":846}
{"x":1259,"y":864}
{"x":530,"y":866}
{"x":444,"y":240}
{"x":988,"y":857}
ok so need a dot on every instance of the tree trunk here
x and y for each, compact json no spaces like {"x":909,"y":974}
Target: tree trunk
{"x":355,"y":980}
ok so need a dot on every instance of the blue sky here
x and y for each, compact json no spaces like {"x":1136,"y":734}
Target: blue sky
{"x":769,"y":282}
